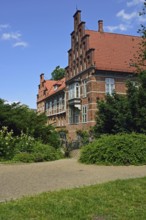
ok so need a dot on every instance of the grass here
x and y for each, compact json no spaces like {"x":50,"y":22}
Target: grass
{"x":121,"y":199}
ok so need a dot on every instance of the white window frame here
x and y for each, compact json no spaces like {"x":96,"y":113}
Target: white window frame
{"x":84,"y":114}
{"x":60,"y":103}
{"x":74,"y":91}
{"x":55,"y":105}
{"x":74,"y":116}
{"x":109,"y":85}
{"x":47,"y":105}
{"x":50,"y":107}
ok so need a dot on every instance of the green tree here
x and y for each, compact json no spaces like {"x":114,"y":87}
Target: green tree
{"x":20,"y":118}
{"x":58,"y":73}
{"x":113,"y":115}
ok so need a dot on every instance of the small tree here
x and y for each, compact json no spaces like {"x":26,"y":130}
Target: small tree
{"x":113,"y":115}
{"x":58,"y":73}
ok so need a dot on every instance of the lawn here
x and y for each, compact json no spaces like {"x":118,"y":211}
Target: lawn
{"x":122,"y":199}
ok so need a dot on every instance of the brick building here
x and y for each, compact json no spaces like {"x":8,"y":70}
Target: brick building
{"x":51,"y":100}
{"x":98,"y":63}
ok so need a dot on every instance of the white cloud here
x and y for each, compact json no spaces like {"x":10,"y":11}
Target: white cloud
{"x":9,"y":36}
{"x":121,"y":27}
{"x":134,"y":2}
{"x":11,"y":102}
{"x":15,"y":38}
{"x":20,"y":44}
{"x":127,"y":16}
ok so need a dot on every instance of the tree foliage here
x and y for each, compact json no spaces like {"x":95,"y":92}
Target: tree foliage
{"x":20,"y":118}
{"x":58,"y":73}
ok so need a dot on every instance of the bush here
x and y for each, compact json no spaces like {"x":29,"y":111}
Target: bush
{"x":23,"y":157}
{"x":25,"y":148}
{"x":43,"y":152}
{"x":120,"y":149}
{"x":7,"y":143}
{"x":39,"y":153}
{"x":24,"y":143}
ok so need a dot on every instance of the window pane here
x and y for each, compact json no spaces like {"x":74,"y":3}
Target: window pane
{"x":109,"y":85}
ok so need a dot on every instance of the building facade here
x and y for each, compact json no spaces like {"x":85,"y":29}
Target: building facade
{"x":51,"y":100}
{"x":98,"y":64}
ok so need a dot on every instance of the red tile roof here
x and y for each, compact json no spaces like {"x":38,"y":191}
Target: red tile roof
{"x":113,"y":52}
{"x":48,"y":87}
{"x":49,"y":84}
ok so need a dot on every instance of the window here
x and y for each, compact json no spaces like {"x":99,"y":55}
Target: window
{"x":109,"y":85}
{"x":84,"y":88}
{"x":50,"y":107}
{"x":55,"y":87}
{"x":60,"y":103}
{"x":84,"y":113}
{"x":47,"y":105}
{"x":74,"y":91}
{"x":73,"y":115}
{"x":55,"y":105}
{"x":77,"y":90}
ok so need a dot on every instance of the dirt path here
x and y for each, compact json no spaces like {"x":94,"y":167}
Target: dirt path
{"x":29,"y":179}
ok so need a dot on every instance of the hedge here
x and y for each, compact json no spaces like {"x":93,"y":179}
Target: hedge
{"x":119,"y":149}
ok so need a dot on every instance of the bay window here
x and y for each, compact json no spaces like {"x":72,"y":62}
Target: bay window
{"x":74,"y":91}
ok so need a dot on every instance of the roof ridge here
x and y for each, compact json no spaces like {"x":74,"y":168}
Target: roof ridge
{"x":111,"y":33}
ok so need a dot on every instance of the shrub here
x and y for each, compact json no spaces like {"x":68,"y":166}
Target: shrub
{"x":39,"y":153}
{"x":25,"y":148}
{"x":43,"y":152}
{"x":24,"y":143}
{"x":120,"y":149}
{"x":24,"y":157}
{"x":6,"y":143}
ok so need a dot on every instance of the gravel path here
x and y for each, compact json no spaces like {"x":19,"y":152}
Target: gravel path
{"x":17,"y":180}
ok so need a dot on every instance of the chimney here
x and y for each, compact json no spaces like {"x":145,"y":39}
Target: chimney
{"x":100,"y":26}
{"x":42,"y":77}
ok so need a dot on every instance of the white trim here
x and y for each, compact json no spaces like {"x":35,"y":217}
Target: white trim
{"x":84,"y":113}
{"x":121,"y":93}
{"x":103,"y":92}
{"x":79,"y":123}
{"x":92,"y":103}
{"x":91,"y":121}
{"x":92,"y":109}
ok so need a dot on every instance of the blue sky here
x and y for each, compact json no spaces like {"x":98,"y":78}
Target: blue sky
{"x":35,"y":37}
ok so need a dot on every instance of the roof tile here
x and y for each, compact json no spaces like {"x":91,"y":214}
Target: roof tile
{"x":114,"y":51}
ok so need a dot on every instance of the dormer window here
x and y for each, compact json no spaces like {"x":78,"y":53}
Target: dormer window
{"x":55,"y":87}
